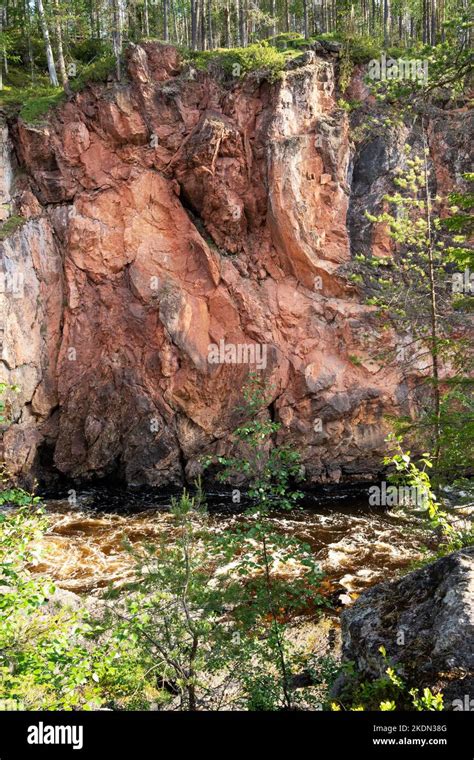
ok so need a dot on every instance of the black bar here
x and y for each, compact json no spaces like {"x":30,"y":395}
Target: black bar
{"x":140,"y":735}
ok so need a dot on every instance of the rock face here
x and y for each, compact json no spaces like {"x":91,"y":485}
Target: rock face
{"x":177,"y":212}
{"x":426,"y":623}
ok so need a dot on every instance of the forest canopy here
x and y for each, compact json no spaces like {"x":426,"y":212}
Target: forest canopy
{"x":62,"y":37}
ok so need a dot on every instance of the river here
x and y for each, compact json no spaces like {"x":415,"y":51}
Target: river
{"x":356,"y":545}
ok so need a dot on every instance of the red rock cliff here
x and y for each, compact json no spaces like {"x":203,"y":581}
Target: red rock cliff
{"x":175,"y":212}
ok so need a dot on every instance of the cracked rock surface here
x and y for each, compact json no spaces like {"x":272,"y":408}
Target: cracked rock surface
{"x":425,"y":621}
{"x":175,"y":211}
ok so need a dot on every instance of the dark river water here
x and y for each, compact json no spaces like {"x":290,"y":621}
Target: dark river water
{"x":356,"y":545}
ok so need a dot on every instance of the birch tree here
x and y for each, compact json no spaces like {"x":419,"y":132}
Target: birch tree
{"x":47,"y":42}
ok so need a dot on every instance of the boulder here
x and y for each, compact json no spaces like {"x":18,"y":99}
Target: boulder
{"x":332,"y":46}
{"x":425,"y":621}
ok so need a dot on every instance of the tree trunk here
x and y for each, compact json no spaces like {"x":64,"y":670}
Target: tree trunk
{"x":237,"y":23}
{"x":194,"y":24}
{"x":26,"y":11}
{"x":1,"y":29}
{"x":242,"y":34}
{"x":305,"y":19}
{"x":386,"y":21}
{"x":227,"y":31}
{"x":202,"y":10}
{"x":433,"y":22}
{"x":210,"y":41}
{"x":166,"y":32}
{"x":59,"y":40}
{"x":146,"y":19}
{"x":49,"y":52}
{"x":279,"y":643}
{"x":4,"y":51}
{"x":286,"y":17}
{"x":177,"y":35}
{"x":433,"y":310}
{"x":116,"y":36}
{"x":100,"y":23}
{"x":273,"y":21}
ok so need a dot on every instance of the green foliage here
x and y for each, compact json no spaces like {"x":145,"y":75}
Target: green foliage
{"x":286,"y":39}
{"x":457,"y":432}
{"x":174,"y":614}
{"x":40,"y":666}
{"x":89,"y":50}
{"x":10,"y":226}
{"x":386,"y":693}
{"x":46,"y":662}
{"x":460,"y":223}
{"x":208,"y":609}
{"x":238,"y":62}
{"x":4,"y":390}
{"x":9,"y":495}
{"x":346,"y":67}
{"x":460,"y":539}
{"x":47,"y":659}
{"x":270,"y":469}
{"x":199,"y":614}
{"x":409,"y":473}
{"x":36,"y":103}
{"x":364,"y":48}
{"x":32,"y":103}
{"x":98,"y":70}
{"x":450,"y":63}
{"x":415,"y":297}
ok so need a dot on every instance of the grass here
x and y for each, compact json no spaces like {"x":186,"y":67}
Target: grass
{"x":38,"y":105}
{"x":33,"y":102}
{"x":10,"y":226}
{"x":238,"y":62}
{"x":97,"y":70}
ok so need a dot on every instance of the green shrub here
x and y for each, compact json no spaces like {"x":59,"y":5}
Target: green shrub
{"x":241,"y":61}
{"x":96,"y":71}
{"x":87,"y":51}
{"x":10,"y":226}
{"x":286,"y":39}
{"x":386,"y":693}
{"x":363,"y":49}
{"x":37,"y":105}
